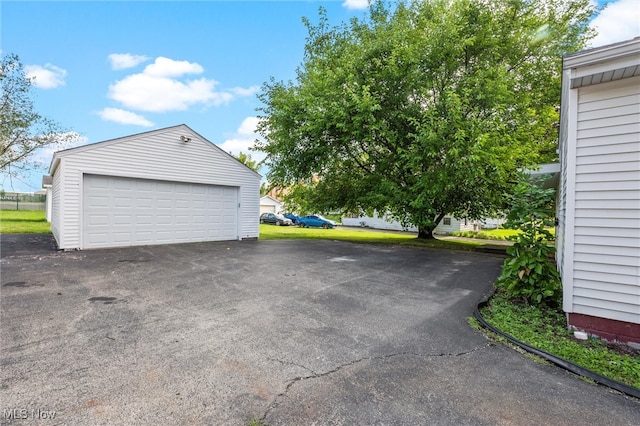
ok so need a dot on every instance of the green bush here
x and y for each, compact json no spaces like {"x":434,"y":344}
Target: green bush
{"x":474,"y":234}
{"x":529,"y":274}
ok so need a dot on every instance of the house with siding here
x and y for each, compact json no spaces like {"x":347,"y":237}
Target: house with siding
{"x":447,"y":226}
{"x":165,"y":186}
{"x":598,"y":234}
{"x":269,"y":204}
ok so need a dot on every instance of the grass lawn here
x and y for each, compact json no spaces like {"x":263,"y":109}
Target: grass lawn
{"x":546,"y":329}
{"x":492,"y":234}
{"x":23,"y":222}
{"x":271,"y":232}
{"x":488,"y":234}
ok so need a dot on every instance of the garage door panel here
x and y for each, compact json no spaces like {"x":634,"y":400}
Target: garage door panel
{"x":144,"y":220}
{"x":182,"y":190}
{"x":99,"y":220}
{"x":165,"y":187}
{"x":164,"y":220}
{"x":99,"y":240}
{"x":164,"y":203}
{"x":164,"y":236}
{"x":122,"y":237}
{"x":121,"y":219}
{"x":182,"y":204}
{"x":145,"y":203}
{"x":122,"y":211}
{"x":125,"y":202}
{"x":99,"y":201}
{"x":122,"y":185}
{"x":182,"y":235}
{"x":182,"y":220}
{"x":98,"y":184}
{"x":142,"y":185}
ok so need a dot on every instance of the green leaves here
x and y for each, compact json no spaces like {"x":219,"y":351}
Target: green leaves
{"x":22,"y":129}
{"x":529,"y":273}
{"x":246,"y":159}
{"x":423,"y":108}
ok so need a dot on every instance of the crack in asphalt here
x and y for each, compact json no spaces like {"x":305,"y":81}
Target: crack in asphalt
{"x":274,"y":404}
{"x":313,"y":373}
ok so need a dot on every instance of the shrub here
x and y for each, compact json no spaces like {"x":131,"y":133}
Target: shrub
{"x":529,"y":274}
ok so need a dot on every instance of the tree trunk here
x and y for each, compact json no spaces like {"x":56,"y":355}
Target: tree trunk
{"x":426,"y":233}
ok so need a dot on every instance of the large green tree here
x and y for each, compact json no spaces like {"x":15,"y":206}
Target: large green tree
{"x":22,"y":129}
{"x":423,"y":108}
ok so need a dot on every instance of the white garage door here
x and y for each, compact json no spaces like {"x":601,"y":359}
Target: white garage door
{"x":267,"y":209}
{"x":126,"y":212}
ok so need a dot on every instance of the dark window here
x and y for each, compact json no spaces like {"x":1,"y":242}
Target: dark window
{"x":446,"y":221}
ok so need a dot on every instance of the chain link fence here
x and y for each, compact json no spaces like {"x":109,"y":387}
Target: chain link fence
{"x":22,"y":201}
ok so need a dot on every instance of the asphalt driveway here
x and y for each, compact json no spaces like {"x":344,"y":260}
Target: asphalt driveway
{"x":287,"y":332}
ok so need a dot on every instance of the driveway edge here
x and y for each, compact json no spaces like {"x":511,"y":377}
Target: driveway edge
{"x":560,"y":362}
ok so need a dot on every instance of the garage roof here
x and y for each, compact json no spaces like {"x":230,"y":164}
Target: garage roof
{"x":188,"y":135}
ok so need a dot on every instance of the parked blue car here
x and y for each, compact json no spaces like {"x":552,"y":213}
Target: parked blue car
{"x":315,"y":220}
{"x":291,"y":216}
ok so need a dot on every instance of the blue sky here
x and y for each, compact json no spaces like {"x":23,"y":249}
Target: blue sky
{"x":111,"y":69}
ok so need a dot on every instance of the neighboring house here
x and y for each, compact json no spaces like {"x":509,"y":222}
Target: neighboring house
{"x":492,"y":223}
{"x":598,"y":235}
{"x":447,"y":226}
{"x":550,"y":172}
{"x":46,"y":184}
{"x":268,"y":204}
{"x":164,"y":186}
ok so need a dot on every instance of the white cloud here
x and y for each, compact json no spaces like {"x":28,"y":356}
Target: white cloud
{"x":124,"y":117}
{"x":619,"y":21}
{"x":238,"y":145}
{"x":120,"y":61}
{"x":47,"y":77}
{"x":165,"y":67}
{"x":249,"y":126}
{"x":159,"y":88}
{"x":240,"y":91}
{"x":355,"y":4}
{"x":243,"y":139}
{"x":159,"y":94}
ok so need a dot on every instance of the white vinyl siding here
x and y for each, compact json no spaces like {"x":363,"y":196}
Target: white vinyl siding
{"x":267,"y":209}
{"x":57,"y":191}
{"x":455,"y":225}
{"x":270,"y":205}
{"x":385,"y":222}
{"x":157,"y":155}
{"x":566,"y":128}
{"x":605,"y":222}
{"x":377,"y":222}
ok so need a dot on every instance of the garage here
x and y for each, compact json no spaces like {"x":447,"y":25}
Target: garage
{"x":161,"y":187}
{"x":268,"y":204}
